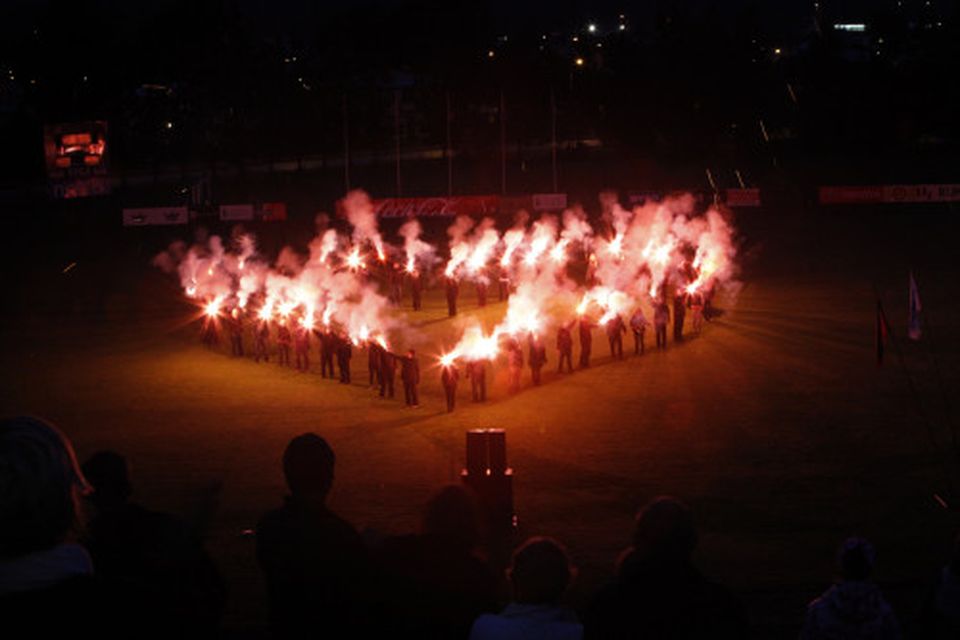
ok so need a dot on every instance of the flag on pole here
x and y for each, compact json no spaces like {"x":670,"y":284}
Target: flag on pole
{"x":883,"y":333}
{"x":914,"y":327}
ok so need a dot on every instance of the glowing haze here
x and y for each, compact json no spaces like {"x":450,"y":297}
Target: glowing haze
{"x":632,"y":258}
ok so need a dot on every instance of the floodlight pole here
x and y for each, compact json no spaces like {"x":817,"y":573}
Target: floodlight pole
{"x":503,"y":144}
{"x":449,"y":150}
{"x":553,"y":137}
{"x":396,"y":133}
{"x":346,"y":144}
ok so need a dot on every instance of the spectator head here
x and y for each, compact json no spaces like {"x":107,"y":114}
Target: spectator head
{"x":40,"y":486}
{"x":540,"y":571}
{"x":308,"y":466}
{"x":107,"y":472}
{"x":856,"y":559}
{"x":665,"y":530}
{"x":453,"y":514}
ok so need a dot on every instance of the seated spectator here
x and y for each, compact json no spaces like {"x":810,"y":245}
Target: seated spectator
{"x":658,"y":592}
{"x":854,"y":608}
{"x":47,"y":586}
{"x":436,"y":584}
{"x":941,"y":614}
{"x":150,"y":550}
{"x":539,"y":574}
{"x":314,"y":562}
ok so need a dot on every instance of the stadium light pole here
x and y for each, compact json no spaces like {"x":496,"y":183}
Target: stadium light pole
{"x":346,"y":143}
{"x":553,"y":137}
{"x":396,"y":135}
{"x":503,"y":144}
{"x":449,"y":150}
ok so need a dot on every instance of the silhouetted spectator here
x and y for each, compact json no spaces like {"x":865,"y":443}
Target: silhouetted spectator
{"x":658,"y":593}
{"x":314,"y":562}
{"x":538,"y":357}
{"x":854,"y":608}
{"x":661,"y":316}
{"x":388,"y":372}
{"x":374,"y":361}
{"x":151,"y":550}
{"x":344,"y":354}
{"x":477,"y":372}
{"x":449,"y":379}
{"x":565,"y":347}
{"x":941,"y":614}
{"x":514,"y":363}
{"x":47,"y":586}
{"x":436,"y":584}
{"x":410,"y":374}
{"x":539,"y":574}
{"x":586,"y":341}
{"x":328,"y":348}
{"x":679,"y":313}
{"x":453,"y":290}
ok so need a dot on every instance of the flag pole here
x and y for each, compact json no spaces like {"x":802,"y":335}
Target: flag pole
{"x":882,"y":317}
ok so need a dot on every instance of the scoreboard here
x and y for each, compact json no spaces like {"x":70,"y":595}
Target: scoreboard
{"x":77,"y":157}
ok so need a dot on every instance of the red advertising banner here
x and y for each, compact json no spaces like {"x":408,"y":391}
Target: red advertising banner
{"x":236,"y":212}
{"x":273,"y":211}
{"x":921,"y":193}
{"x":890,"y":194}
{"x":742,"y":197}
{"x":267,"y":211}
{"x":851,"y":195}
{"x":549,"y":201}
{"x":474,"y":206}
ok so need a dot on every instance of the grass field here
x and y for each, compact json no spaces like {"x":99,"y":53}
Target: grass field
{"x":775,"y":424}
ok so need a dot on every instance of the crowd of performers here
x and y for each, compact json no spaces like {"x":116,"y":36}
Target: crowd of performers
{"x":556,"y":274}
{"x":335,"y":348}
{"x":293,"y":335}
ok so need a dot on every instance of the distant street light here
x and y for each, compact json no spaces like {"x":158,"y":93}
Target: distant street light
{"x":579,"y":62}
{"x":592,"y":28}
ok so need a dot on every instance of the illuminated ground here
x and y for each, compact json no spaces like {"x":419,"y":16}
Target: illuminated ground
{"x":775,"y":424}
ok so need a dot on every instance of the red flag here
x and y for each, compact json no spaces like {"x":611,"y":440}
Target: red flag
{"x":914,"y":324}
{"x":883,"y":333}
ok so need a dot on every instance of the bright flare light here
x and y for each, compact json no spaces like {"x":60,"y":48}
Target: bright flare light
{"x":559,"y":252}
{"x":473,"y":345}
{"x":307,"y":321}
{"x":511,"y":240}
{"x":537,"y":247}
{"x":616,"y":245}
{"x":327,"y":314}
{"x":354,"y":261}
{"x":212,"y":308}
{"x":458,"y":255}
